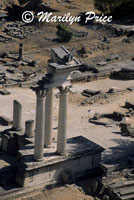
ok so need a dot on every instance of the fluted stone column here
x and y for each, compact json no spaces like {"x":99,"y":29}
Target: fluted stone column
{"x":62,"y":122}
{"x":48,"y":118}
{"x":39,"y":126}
{"x":29,"y":128}
{"x":17,"y":116}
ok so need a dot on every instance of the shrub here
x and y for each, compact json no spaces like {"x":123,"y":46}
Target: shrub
{"x":64,"y":33}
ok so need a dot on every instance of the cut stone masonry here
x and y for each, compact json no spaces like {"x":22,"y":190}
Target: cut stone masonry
{"x":38,"y":159}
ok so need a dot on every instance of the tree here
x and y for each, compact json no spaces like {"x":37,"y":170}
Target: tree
{"x":64,"y":33}
{"x":115,"y":7}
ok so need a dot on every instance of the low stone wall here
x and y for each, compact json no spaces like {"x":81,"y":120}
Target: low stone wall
{"x":88,"y":77}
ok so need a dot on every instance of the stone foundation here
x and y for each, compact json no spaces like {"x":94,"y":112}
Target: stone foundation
{"x":82,"y":157}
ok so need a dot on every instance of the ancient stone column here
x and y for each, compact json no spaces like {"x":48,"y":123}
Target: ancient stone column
{"x":17,"y":116}
{"x":39,"y":125}
{"x":62,"y":123}
{"x":20,"y":51}
{"x":48,"y":118}
{"x":29,"y":128}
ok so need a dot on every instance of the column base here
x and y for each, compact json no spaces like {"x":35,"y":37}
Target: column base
{"x":60,"y":154}
{"x":16,"y":129}
{"x":30,"y":136}
{"x":48,"y":146}
{"x":39,"y":160}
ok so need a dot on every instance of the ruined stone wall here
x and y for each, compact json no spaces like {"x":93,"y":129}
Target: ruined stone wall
{"x":70,"y":169}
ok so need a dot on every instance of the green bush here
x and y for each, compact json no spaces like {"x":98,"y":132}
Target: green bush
{"x":116,"y":7}
{"x":64,"y":33}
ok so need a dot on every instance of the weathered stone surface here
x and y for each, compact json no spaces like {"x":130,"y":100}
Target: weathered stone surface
{"x":90,"y":93}
{"x":129,"y":105}
{"x":94,"y":99}
{"x":29,"y":128}
{"x":4,"y":92}
{"x":130,"y":88}
{"x":80,"y":34}
{"x":19,"y":30}
{"x":117,"y":116}
{"x":115,"y":90}
{"x":12,"y":141}
{"x":81,"y":158}
{"x":119,"y":185}
{"x":126,"y":129}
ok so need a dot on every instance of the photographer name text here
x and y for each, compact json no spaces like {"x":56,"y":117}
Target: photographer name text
{"x":28,"y":17}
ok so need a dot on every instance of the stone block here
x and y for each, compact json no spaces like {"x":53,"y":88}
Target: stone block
{"x":81,"y":158}
{"x":115,"y":90}
{"x":4,"y":142}
{"x":129,"y":105}
{"x":90,"y":93}
{"x":4,"y":92}
{"x":126,"y":129}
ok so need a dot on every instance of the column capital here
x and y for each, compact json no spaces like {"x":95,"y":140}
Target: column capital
{"x":41,"y":93}
{"x":64,"y":89}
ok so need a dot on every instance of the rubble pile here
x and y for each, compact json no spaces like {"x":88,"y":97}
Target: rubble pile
{"x":10,"y":73}
{"x":96,"y":96}
{"x":119,"y":185}
{"x":20,"y":30}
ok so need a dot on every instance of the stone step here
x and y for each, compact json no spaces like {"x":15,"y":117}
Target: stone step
{"x":122,"y":184}
{"x":125,"y":191}
{"x":127,"y":197}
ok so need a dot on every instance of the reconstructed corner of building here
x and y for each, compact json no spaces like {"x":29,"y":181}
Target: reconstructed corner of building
{"x":82,"y":158}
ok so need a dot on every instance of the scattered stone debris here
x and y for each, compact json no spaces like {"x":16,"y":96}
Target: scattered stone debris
{"x":83,"y":51}
{"x":126,"y":129}
{"x":20,"y":30}
{"x":115,"y":90}
{"x":4,"y":92}
{"x":124,"y":73}
{"x":5,"y":39}
{"x":128,"y":39}
{"x":89,"y":93}
{"x":113,"y":118}
{"x":106,"y":39}
{"x":10,"y":75}
{"x":119,"y":185}
{"x":94,"y":99}
{"x":116,"y":118}
{"x":80,"y":34}
{"x":112,"y":57}
{"x":95,"y":96}
{"x":129,"y":105}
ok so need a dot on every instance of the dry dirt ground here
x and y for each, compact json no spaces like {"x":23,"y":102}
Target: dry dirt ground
{"x":38,"y":46}
{"x":67,"y":193}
